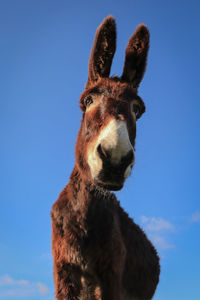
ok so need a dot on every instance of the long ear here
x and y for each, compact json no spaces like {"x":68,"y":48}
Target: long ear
{"x":136,"y":56}
{"x":103,"y":51}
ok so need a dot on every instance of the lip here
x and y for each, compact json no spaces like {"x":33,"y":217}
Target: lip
{"x":111,"y":186}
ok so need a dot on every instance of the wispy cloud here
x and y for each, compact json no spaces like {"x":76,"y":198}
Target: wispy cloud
{"x":161,"y":242}
{"x":7,"y":280}
{"x":195,"y":218}
{"x":12,"y":288}
{"x":43,"y":289}
{"x":157,"y":229}
{"x":156,"y":224}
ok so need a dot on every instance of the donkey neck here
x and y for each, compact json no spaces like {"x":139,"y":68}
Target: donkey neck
{"x":78,"y":190}
{"x":82,"y":193}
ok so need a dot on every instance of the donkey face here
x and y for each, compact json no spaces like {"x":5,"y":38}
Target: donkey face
{"x":111,"y":106}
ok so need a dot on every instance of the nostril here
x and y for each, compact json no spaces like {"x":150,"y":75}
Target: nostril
{"x":103,"y":153}
{"x":128,"y":159}
{"x":131,"y":155}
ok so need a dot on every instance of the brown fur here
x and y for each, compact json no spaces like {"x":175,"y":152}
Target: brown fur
{"x":99,"y":252}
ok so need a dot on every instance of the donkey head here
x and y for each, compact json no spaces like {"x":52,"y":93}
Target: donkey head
{"x":111,"y":106}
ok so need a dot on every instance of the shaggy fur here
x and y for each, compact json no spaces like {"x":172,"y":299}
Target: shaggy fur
{"x":99,"y":252}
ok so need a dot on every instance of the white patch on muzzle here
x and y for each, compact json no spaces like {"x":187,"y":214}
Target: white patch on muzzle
{"x":115,"y":140}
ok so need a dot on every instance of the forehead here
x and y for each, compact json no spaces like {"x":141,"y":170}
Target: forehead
{"x":112,"y":87}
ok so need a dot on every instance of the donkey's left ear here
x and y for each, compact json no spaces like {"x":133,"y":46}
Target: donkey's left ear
{"x":103,"y":51}
{"x":136,"y":56}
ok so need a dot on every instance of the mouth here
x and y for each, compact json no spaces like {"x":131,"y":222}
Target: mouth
{"x":112,"y":178}
{"x":111,"y":186}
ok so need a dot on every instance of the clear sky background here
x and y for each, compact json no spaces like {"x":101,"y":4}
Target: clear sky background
{"x":44,"y":52}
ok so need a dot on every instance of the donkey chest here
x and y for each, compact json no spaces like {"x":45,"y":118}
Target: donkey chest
{"x":96,"y":234}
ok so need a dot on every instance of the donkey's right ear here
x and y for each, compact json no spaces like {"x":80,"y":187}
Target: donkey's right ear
{"x":103,"y":51}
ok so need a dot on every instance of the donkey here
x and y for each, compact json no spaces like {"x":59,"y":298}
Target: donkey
{"x":99,"y":252}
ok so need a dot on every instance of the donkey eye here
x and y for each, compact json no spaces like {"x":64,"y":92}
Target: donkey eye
{"x":88,"y":101}
{"x":136,"y":110}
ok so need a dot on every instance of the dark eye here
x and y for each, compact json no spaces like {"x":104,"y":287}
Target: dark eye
{"x":136,"y":110}
{"x":88,"y":100}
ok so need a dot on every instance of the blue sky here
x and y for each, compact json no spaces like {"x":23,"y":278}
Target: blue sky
{"x":44,"y":52}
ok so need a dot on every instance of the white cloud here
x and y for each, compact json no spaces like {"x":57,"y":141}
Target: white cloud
{"x":7,"y":280}
{"x":157,"y":229}
{"x":43,"y":289}
{"x":20,"y":288}
{"x":161,"y":242}
{"x":13,"y":292}
{"x":195,"y":217}
{"x":156,"y":224}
